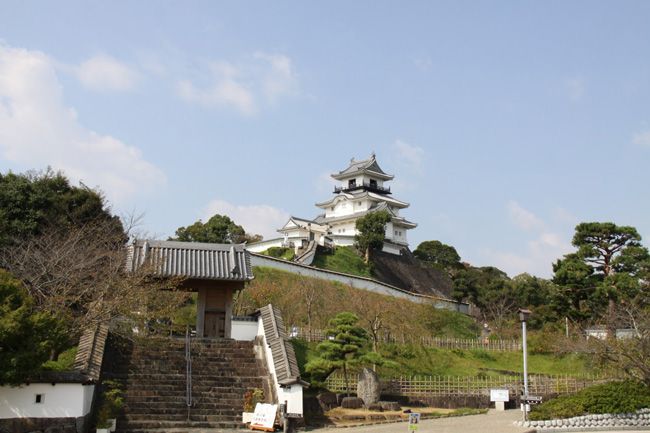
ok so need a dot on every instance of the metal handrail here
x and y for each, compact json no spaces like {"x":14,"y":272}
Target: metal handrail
{"x":188,"y":371}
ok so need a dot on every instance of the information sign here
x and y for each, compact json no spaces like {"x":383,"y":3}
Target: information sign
{"x":264,"y":417}
{"x":499,"y":395}
{"x":531,"y":399}
{"x":414,"y":421}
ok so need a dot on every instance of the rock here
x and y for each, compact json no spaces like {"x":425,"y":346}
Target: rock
{"x":369,"y":387}
{"x":374,"y":407}
{"x":390,"y":406}
{"x":352,"y":403}
{"x":312,"y":405}
{"x":328,"y":400}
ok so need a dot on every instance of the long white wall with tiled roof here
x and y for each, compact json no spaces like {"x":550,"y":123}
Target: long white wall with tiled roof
{"x":358,"y":282}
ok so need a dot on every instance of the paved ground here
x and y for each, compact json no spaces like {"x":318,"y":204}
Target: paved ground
{"x":492,"y":422}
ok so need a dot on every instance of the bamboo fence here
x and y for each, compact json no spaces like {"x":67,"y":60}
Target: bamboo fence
{"x":473,"y":385}
{"x":447,"y":343}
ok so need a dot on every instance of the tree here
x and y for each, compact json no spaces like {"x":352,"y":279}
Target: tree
{"x":69,"y":253}
{"x":312,"y":294}
{"x":371,"y":231}
{"x":79,"y":275}
{"x":33,"y":202}
{"x":27,"y":336}
{"x":479,"y":285}
{"x":342,"y":348}
{"x":372,"y":309}
{"x":488,"y":289}
{"x":610,"y":266}
{"x":627,"y":352}
{"x":219,"y":229}
{"x":442,"y":257}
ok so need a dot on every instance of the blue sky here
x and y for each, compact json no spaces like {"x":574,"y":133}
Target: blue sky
{"x":506,"y":123}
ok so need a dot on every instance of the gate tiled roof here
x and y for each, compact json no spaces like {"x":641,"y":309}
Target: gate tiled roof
{"x":192,"y":260}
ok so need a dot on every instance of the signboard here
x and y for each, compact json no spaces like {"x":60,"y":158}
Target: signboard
{"x":531,"y":399}
{"x":499,"y":395}
{"x":414,"y":421}
{"x":264,"y":416}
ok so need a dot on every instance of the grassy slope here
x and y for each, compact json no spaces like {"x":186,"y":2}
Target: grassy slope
{"x":428,"y":361}
{"x":420,"y":360}
{"x":343,"y":260}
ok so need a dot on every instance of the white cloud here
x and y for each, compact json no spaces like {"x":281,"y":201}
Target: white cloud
{"x":565,"y":217}
{"x":537,"y":254}
{"x":255,"y":219}
{"x":325,"y":184}
{"x":37,"y":129}
{"x":522,"y":218}
{"x":103,"y":73}
{"x":280,"y":80}
{"x":537,"y":259}
{"x":410,"y":156}
{"x":574,"y":88}
{"x":423,"y":63}
{"x":226,"y":90}
{"x":642,"y":138}
{"x":511,"y":263}
{"x":243,"y":86}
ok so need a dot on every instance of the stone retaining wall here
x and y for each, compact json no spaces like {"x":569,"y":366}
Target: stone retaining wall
{"x":639,"y":420}
{"x":45,"y":425}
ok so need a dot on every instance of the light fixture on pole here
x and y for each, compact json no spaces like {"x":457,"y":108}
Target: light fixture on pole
{"x":523,"y":318}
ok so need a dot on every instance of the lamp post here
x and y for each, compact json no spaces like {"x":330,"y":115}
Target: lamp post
{"x":523,"y":317}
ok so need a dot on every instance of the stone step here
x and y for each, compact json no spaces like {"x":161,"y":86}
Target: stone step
{"x":180,"y":413}
{"x":154,"y":376}
{"x":177,"y":376}
{"x":142,"y":423}
{"x":148,"y":391}
{"x":223,"y":400}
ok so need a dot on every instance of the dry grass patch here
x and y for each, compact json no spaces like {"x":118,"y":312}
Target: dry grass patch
{"x":342,"y":416}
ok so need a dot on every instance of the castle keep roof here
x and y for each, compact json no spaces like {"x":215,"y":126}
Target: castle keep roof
{"x":368,"y":166}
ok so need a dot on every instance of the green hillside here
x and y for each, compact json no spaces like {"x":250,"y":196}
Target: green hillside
{"x":342,"y":260}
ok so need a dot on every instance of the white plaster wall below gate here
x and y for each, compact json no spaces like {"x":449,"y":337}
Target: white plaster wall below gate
{"x":61,"y":400}
{"x":244,"y":330}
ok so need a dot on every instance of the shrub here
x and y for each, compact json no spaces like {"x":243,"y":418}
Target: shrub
{"x":65,"y":361}
{"x":458,"y":352}
{"x":251,"y":398}
{"x":482,"y":355}
{"x":113,"y":401}
{"x":612,"y":397}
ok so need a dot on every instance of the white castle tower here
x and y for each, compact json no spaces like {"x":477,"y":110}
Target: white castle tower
{"x":361,"y":191}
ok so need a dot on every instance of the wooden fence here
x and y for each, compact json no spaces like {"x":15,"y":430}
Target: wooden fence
{"x":459,"y":385}
{"x":447,"y":343}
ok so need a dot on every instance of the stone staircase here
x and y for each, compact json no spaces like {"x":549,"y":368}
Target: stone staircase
{"x":154,"y":375}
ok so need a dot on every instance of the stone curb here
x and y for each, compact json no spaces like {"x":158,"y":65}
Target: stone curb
{"x":639,"y":420}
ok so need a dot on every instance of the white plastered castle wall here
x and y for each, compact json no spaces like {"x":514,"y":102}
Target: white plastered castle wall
{"x":61,"y":400}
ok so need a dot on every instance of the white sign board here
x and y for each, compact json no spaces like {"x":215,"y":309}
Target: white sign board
{"x":499,"y":395}
{"x":264,"y":416}
{"x":414,"y":421}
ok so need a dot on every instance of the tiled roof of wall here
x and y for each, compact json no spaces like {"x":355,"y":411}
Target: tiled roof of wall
{"x":284,"y":357}
{"x":192,"y":259}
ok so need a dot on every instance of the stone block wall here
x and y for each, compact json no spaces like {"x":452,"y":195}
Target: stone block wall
{"x":639,"y":420}
{"x":43,"y":425}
